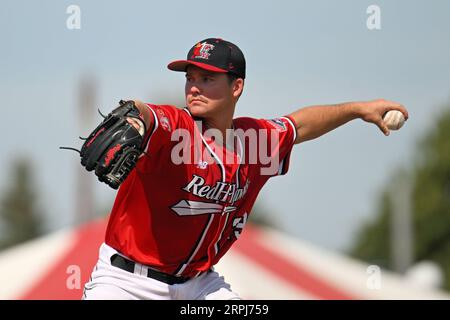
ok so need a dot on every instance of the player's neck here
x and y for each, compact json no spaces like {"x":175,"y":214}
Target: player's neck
{"x":223,"y":124}
{"x":219,"y":124}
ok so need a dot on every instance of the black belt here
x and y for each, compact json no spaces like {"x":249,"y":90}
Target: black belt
{"x":128,"y":265}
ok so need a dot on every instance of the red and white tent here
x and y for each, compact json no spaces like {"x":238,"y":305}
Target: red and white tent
{"x":263,"y":264}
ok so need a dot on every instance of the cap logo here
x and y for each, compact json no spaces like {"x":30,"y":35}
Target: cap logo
{"x":201,"y":50}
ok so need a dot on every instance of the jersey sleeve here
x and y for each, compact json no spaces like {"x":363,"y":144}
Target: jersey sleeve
{"x":281,"y":135}
{"x":166,"y":119}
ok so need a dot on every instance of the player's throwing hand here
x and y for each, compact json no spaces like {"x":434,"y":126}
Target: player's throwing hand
{"x":373,"y":111}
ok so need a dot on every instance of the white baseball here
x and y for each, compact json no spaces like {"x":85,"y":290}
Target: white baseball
{"x":394,"y":119}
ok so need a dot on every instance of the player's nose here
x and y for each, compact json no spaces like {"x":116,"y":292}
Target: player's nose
{"x":194,"y":89}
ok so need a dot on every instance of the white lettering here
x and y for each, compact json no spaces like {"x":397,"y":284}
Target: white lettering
{"x":74,"y":280}
{"x":181,"y":152}
{"x":194,"y":184}
{"x":74,"y":20}
{"x":374,"y":20}
{"x":274,"y":154}
{"x":374,"y":280}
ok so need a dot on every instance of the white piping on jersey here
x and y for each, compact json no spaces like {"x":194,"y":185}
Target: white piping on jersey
{"x":240,"y":155}
{"x":216,"y":246}
{"x":293,"y":127}
{"x":187,"y":111}
{"x":280,"y":167}
{"x":219,"y":162}
{"x":211,"y":218}
{"x":154,"y":129}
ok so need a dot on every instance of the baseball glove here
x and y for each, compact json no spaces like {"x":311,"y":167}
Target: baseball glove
{"x":113,"y":148}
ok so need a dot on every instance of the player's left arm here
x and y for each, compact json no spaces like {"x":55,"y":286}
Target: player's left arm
{"x":314,"y":121}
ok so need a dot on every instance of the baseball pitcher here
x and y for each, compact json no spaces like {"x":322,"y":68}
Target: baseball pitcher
{"x":187,"y":178}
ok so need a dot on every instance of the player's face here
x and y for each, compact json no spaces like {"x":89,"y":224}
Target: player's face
{"x":207,"y":93}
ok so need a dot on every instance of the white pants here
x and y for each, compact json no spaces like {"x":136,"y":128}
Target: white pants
{"x":111,"y":283}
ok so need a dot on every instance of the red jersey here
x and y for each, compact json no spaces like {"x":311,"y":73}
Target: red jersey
{"x":188,"y":199}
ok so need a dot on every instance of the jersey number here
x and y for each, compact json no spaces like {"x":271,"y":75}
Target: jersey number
{"x":238,"y":225}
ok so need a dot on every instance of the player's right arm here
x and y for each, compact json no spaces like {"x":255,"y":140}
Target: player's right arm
{"x":312,"y":122}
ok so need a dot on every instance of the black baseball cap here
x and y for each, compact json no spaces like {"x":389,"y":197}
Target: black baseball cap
{"x":213,"y":54}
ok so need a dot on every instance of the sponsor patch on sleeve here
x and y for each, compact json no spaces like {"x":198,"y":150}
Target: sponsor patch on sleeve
{"x":163,"y":120}
{"x":278,"y":124}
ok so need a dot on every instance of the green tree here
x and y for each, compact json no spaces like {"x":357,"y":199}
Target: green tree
{"x":21,"y":219}
{"x":430,"y":207}
{"x":373,"y":239}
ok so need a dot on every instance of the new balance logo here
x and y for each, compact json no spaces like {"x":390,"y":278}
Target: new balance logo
{"x":202,"y":164}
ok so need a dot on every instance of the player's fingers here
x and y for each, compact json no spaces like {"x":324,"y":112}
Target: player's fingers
{"x":402,"y":109}
{"x":391,"y":105}
{"x":137,"y":124}
{"x":383,"y":127}
{"x":133,"y":123}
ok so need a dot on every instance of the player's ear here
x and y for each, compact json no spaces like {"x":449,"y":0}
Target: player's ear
{"x":237,"y":87}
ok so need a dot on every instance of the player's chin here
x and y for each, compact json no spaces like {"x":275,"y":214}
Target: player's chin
{"x":197,"y":109}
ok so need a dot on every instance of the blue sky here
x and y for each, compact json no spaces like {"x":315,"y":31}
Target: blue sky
{"x":298,"y":53}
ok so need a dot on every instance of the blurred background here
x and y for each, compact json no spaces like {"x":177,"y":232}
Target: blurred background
{"x":372,"y":202}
